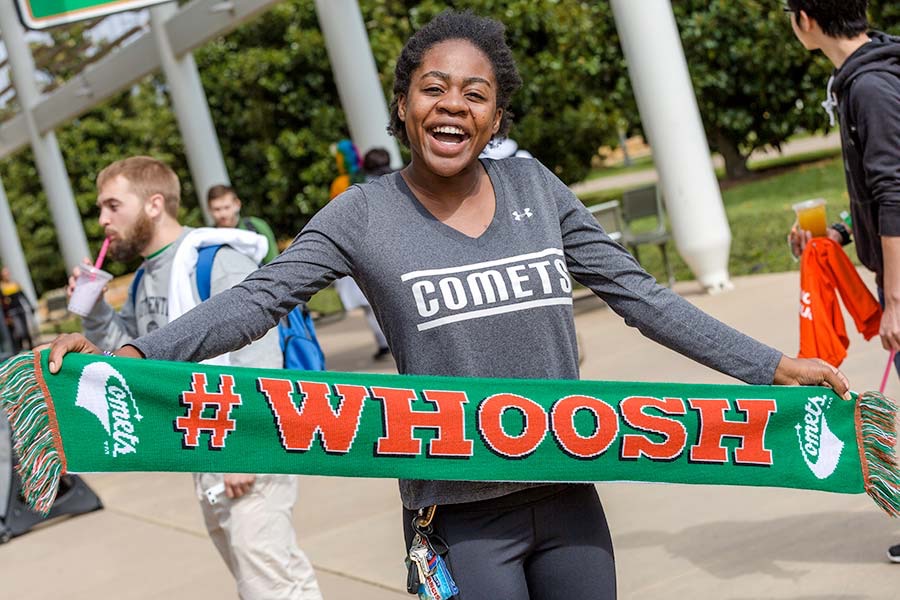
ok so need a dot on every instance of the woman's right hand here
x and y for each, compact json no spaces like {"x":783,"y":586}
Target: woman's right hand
{"x":811,"y":371}
{"x":69,"y":342}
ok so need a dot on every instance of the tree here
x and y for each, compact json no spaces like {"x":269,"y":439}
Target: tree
{"x":276,"y":108}
{"x":756,"y":85}
{"x":134,"y":122}
{"x":885,"y":15}
{"x":277,"y":111}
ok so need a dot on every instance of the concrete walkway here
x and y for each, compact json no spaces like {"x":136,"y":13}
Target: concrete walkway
{"x":672,"y":541}
{"x":639,"y":178}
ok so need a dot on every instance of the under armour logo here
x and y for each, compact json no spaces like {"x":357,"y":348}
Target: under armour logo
{"x":519,"y":216}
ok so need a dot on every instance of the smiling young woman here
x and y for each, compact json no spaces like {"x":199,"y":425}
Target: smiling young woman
{"x":449,"y":114}
{"x":468,"y":266}
{"x":452,"y":88}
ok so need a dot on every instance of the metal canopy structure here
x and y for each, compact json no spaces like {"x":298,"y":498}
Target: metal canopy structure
{"x":687,"y":177}
{"x":174,"y":33}
{"x":42,"y":14}
{"x":190,"y":27}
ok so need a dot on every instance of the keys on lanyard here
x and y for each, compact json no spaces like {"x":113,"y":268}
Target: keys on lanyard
{"x":427,"y":573}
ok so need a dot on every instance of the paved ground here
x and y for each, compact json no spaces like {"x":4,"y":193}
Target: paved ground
{"x":638,"y":178}
{"x":671,"y":541}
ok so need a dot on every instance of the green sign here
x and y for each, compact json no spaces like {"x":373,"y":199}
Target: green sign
{"x":41,"y":14}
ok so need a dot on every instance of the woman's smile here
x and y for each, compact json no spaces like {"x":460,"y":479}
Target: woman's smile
{"x":448,"y":139}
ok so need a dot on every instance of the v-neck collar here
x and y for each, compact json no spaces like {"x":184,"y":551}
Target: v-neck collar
{"x":442,"y":228}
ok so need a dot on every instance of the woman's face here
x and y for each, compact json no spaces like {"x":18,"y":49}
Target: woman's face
{"x":450,"y":111}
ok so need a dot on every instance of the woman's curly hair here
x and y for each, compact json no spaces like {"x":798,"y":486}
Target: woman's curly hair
{"x":488,"y":35}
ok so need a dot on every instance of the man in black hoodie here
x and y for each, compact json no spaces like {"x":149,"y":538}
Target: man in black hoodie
{"x":865,"y":90}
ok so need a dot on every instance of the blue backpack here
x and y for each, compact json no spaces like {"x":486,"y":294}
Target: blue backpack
{"x":296,"y":332}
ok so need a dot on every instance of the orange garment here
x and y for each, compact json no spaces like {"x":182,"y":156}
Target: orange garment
{"x":338,"y":185}
{"x":824,"y":269}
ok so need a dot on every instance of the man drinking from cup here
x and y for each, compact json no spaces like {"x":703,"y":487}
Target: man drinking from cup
{"x":247,"y":516}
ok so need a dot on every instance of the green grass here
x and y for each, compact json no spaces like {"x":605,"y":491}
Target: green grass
{"x":760,"y":216}
{"x":602,"y":196}
{"x":638,"y":164}
{"x":326,"y":302}
{"x":757,"y":167}
{"x":794,"y":159}
{"x":71,"y":324}
{"x":646,"y":162}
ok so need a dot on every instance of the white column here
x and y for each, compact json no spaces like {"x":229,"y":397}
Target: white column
{"x":356,"y":76}
{"x":198,"y":133}
{"x":11,"y":253}
{"x":671,"y":120}
{"x":47,"y":156}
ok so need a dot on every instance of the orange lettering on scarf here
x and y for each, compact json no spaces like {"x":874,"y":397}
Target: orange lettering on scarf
{"x":297,"y":427}
{"x":673,"y":432}
{"x":400,"y":420}
{"x":751,"y":432}
{"x":490,"y":413}
{"x":562,"y":417}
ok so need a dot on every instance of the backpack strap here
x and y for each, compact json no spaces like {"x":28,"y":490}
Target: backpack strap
{"x":135,"y":282}
{"x":205,"y":258}
{"x":248,"y":224}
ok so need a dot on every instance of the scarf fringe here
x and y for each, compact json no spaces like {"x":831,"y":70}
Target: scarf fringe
{"x":878,"y":433}
{"x":40,"y":465}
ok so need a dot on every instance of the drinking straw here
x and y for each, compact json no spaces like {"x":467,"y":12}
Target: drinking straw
{"x":100,"y":256}
{"x":99,"y":262}
{"x":887,"y":371}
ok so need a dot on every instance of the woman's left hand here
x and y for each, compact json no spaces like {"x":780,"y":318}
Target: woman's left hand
{"x":811,"y":371}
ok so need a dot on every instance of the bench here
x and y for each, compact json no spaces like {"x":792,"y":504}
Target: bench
{"x":57,"y":309}
{"x":609,"y":215}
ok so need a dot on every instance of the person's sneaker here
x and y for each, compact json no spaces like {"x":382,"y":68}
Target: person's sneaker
{"x":893,"y":553}
{"x":382,"y":353}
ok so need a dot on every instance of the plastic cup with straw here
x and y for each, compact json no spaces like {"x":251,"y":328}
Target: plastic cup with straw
{"x":89,"y":285}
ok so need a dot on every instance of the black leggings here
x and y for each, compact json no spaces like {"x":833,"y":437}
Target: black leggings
{"x":546,"y":543}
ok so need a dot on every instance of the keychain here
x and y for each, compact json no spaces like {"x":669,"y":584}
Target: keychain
{"x":427,"y":573}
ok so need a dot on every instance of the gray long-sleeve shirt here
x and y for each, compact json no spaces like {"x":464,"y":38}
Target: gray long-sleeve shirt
{"x":499,"y":305}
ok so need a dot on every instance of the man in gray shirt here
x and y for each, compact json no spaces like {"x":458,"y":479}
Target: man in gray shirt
{"x":250,"y":522}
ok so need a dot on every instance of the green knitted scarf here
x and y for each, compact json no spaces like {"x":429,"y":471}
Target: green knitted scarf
{"x":114,"y":414}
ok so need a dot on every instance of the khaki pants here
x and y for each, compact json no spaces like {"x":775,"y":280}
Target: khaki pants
{"x":255,"y":536}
